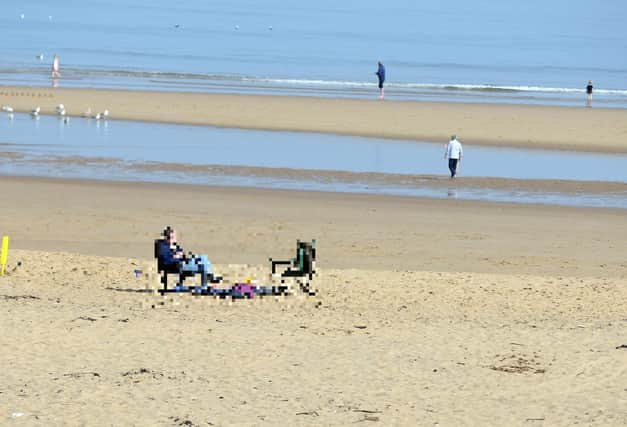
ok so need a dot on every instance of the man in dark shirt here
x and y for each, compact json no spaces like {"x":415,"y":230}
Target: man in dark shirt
{"x":381,"y":75}
{"x":589,"y":94}
{"x":169,"y":252}
{"x":171,"y":255}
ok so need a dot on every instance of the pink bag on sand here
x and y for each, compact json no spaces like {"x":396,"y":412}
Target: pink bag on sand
{"x":245,"y":289}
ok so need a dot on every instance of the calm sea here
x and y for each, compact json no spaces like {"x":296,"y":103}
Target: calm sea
{"x":532,"y":51}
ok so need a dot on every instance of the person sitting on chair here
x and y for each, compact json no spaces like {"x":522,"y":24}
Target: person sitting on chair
{"x":172,"y":258}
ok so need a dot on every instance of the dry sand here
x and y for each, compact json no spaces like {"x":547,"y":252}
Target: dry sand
{"x":427,"y":313}
{"x":603,"y":130}
{"x":82,"y":347}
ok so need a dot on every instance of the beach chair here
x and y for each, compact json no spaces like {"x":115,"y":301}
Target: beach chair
{"x":302,"y":267}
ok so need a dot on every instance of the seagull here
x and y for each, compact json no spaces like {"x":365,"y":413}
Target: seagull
{"x":102,"y":115}
{"x":270,"y":28}
{"x":49,"y":17}
{"x":60,"y":107}
{"x":40,"y":56}
{"x":66,"y":120}
{"x":236,"y":27}
{"x":35,"y":112}
{"x":87,"y":113}
{"x":22,"y":16}
{"x":7,"y":108}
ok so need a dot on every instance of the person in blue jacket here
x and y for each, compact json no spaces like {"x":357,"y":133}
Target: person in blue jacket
{"x":381,"y":75}
{"x":171,"y":255}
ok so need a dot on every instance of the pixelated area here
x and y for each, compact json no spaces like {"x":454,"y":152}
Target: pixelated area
{"x":284,"y":277}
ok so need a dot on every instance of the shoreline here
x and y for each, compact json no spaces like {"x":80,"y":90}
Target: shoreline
{"x":566,"y":187}
{"x":536,"y":127}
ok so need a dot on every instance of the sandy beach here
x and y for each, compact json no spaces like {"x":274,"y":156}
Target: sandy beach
{"x":428,"y":312}
{"x":493,"y":293}
{"x":602,"y":130}
{"x":239,"y":225}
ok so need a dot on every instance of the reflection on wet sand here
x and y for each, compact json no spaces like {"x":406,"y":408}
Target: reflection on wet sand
{"x":209,"y":156}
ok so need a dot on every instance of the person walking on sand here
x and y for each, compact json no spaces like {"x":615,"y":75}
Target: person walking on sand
{"x":589,"y":94}
{"x":381,"y":75}
{"x":55,"y":67}
{"x":454,"y":154}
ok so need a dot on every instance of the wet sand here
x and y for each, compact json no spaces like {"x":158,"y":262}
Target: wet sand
{"x":427,"y":312}
{"x":600,"y":130}
{"x":203,"y":149}
{"x":241,"y":225}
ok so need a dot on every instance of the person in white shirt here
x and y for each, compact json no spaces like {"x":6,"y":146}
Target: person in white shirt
{"x":454,"y":154}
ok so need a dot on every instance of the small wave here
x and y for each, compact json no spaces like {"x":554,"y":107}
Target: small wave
{"x":85,"y":73}
{"x":539,"y":89}
{"x":430,"y":86}
{"x":448,"y":87}
{"x":441,"y":87}
{"x":103,"y":72}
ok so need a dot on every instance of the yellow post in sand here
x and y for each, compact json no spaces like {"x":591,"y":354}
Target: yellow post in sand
{"x":5,"y":252}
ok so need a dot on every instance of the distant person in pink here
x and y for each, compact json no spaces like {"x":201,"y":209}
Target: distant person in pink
{"x":55,"y":67}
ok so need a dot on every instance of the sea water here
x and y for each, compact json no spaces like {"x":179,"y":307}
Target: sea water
{"x":135,"y":151}
{"x":534,"y":51}
{"x":180,"y":147}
